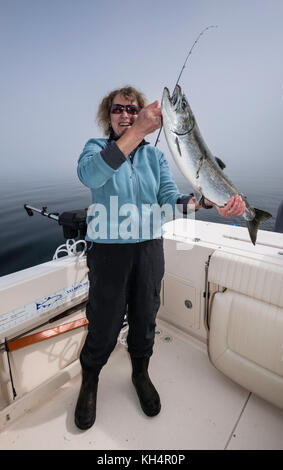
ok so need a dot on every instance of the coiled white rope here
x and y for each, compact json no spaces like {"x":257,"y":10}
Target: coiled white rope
{"x":70,"y":248}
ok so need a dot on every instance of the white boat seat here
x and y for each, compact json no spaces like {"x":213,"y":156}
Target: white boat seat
{"x":246,"y":323}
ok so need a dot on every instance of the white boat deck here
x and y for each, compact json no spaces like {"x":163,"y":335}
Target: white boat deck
{"x":201,"y":408}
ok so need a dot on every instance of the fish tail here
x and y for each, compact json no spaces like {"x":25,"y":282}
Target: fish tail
{"x":253,"y":225}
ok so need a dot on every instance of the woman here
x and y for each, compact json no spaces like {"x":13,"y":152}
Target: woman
{"x":126,"y":267}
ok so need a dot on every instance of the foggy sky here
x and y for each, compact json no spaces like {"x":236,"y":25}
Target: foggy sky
{"x":60,"y":57}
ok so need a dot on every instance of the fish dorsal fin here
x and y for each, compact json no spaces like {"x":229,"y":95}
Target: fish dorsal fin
{"x":220,"y":163}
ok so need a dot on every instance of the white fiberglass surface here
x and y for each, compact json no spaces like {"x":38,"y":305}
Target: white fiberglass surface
{"x":201,"y":408}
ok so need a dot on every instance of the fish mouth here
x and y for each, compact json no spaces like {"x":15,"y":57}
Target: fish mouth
{"x":177,"y":93}
{"x":173,"y":100}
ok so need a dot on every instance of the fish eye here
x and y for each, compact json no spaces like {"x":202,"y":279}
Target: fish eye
{"x":183,"y":104}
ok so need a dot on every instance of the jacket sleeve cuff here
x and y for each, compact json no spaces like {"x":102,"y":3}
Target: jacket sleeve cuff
{"x":112,"y":155}
{"x":183,"y":201}
{"x":202,"y":203}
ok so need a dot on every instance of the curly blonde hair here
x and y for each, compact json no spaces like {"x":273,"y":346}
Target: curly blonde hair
{"x":103,"y":114}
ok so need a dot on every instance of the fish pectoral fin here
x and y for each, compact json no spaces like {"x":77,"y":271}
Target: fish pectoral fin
{"x":199,"y":166}
{"x":178,"y":146}
{"x":220,"y":163}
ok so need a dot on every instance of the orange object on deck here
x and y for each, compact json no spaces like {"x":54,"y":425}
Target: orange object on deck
{"x":46,"y":334}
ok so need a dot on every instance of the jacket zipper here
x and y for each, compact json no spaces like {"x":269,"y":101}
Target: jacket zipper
{"x":137,"y":195}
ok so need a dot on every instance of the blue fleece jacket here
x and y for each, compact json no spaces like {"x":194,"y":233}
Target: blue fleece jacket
{"x":126,"y":195}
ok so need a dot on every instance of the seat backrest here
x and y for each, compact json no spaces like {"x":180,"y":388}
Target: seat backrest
{"x":246,"y":323}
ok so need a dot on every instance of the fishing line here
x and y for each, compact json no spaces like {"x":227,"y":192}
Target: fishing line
{"x":184,"y":65}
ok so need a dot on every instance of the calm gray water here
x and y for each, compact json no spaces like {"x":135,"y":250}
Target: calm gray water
{"x":26,"y":241}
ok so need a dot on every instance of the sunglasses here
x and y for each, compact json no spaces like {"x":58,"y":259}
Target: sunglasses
{"x":129,"y":108}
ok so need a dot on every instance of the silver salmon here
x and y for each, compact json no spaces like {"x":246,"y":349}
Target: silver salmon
{"x":195,"y":160}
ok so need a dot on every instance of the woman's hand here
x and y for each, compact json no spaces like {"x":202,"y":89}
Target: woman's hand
{"x":149,"y":119}
{"x":234,"y":207}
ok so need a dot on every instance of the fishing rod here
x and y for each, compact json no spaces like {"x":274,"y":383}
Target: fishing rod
{"x":184,"y":65}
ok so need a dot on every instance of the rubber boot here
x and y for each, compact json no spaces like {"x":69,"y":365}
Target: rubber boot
{"x":85,"y":412}
{"x":147,"y":393}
